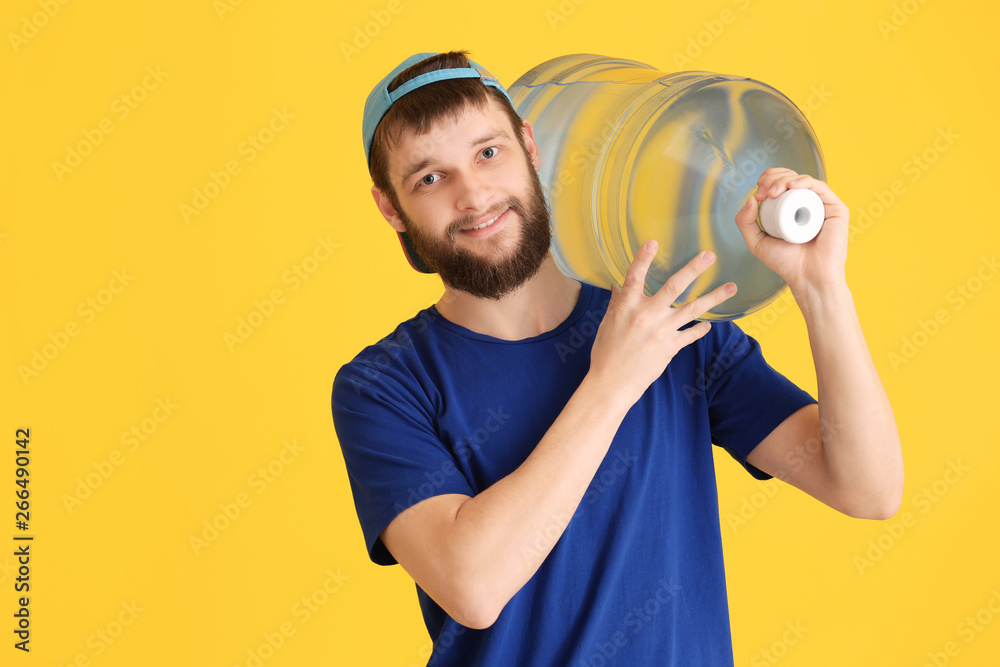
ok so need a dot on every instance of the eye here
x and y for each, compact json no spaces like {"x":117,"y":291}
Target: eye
{"x":429,"y":179}
{"x":489,"y":152}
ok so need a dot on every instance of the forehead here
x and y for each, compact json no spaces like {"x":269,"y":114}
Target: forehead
{"x":448,"y":136}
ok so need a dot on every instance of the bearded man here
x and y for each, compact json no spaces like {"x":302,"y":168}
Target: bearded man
{"x":528,"y":448}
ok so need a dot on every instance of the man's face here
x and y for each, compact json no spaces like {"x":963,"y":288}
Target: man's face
{"x":470,"y":199}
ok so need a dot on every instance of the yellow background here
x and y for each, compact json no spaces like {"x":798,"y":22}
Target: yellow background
{"x":881,"y":81}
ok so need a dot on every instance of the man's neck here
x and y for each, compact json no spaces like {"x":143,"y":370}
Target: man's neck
{"x":539,"y":305}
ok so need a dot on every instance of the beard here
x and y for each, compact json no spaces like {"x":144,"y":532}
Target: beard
{"x":480,"y":276}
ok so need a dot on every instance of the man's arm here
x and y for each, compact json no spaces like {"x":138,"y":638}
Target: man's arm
{"x":471,"y":555}
{"x":845,"y":451}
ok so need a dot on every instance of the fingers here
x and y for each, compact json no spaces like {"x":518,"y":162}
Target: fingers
{"x":773,"y":182}
{"x":695,"y":309}
{"x":680,"y":281}
{"x":691,"y":334}
{"x":631,"y":292}
{"x":698,"y":307}
{"x":635,"y":278}
{"x":776,"y":180}
{"x":746,"y":223}
{"x":746,"y":217}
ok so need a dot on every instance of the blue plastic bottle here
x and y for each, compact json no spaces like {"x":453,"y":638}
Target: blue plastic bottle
{"x":630,"y":153}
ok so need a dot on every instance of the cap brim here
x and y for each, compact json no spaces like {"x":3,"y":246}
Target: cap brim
{"x":412,"y":256}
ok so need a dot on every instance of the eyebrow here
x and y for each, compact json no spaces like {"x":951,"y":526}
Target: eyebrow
{"x":420,"y":166}
{"x":426,"y":162}
{"x":489,"y":137}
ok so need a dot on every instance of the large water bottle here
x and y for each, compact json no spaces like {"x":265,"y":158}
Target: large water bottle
{"x":630,"y":153}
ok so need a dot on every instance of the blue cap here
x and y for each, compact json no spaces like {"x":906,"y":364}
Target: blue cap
{"x":380,"y":100}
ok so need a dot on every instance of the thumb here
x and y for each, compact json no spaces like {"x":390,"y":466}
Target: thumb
{"x":746,"y":222}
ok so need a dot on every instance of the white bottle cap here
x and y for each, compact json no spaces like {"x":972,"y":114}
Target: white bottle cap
{"x":795,"y":216}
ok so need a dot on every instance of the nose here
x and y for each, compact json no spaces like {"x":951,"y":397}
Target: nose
{"x":474,"y":192}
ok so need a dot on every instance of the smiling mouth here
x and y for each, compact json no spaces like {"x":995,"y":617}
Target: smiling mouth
{"x":487,"y":223}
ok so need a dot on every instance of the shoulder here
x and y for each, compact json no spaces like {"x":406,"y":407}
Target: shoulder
{"x":724,"y":346}
{"x":726,"y":340}
{"x":418,"y":335}
{"x":394,"y":361}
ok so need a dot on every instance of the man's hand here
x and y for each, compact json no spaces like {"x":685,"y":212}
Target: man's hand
{"x":639,"y":335}
{"x":816,"y":264}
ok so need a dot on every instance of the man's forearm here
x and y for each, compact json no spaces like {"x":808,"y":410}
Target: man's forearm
{"x":861,"y":447}
{"x":505,"y":533}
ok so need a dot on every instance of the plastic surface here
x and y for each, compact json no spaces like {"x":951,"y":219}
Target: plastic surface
{"x":795,"y":216}
{"x":630,"y":153}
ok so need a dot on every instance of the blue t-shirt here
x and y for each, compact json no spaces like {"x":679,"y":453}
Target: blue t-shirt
{"x":637,"y":577}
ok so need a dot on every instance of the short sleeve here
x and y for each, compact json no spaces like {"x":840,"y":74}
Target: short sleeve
{"x":747,"y":399}
{"x":393,"y":454}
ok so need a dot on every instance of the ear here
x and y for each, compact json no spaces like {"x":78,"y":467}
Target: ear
{"x":387,"y":210}
{"x":528,"y":132}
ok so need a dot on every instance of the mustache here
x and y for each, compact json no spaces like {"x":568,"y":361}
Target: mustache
{"x":510,"y":203}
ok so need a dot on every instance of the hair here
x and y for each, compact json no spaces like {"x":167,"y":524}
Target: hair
{"x":420,"y":109}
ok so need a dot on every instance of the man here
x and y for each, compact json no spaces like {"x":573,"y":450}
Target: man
{"x":547,"y":482}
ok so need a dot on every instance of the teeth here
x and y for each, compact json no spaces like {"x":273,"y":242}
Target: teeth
{"x":487,"y":223}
